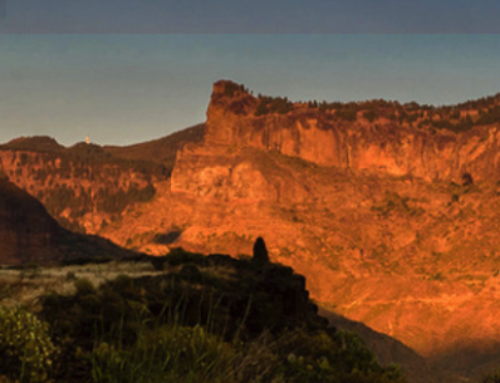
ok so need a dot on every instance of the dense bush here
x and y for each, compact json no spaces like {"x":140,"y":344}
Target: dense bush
{"x":493,"y":377}
{"x":338,"y":357}
{"x":167,"y":353}
{"x":347,"y":113}
{"x":26,"y":350}
{"x":178,"y":256}
{"x":192,"y":354}
{"x":268,"y":104}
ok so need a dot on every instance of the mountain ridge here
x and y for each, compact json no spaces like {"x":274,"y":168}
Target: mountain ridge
{"x":368,"y":137}
{"x":372,"y":204}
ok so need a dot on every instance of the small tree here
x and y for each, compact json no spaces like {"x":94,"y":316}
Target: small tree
{"x":260,"y":254}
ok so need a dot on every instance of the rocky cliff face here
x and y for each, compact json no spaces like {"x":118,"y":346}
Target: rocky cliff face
{"x":382,"y":217}
{"x":84,"y":187}
{"x":382,"y":144}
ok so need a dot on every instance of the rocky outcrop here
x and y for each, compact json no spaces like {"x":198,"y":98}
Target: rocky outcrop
{"x":376,"y":215}
{"x":383,"y":145}
{"x":83,"y":187}
{"x":86,"y":187}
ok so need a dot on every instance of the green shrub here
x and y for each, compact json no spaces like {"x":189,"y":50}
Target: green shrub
{"x":84,"y":287}
{"x":339,"y":357}
{"x":26,"y":350}
{"x":179,"y":256}
{"x":165,"y":354}
{"x":493,"y":377}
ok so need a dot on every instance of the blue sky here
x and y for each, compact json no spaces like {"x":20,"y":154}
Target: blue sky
{"x":122,"y":89}
{"x":250,"y":16}
{"x":127,"y":71}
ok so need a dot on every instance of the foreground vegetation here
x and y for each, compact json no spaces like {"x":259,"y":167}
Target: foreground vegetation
{"x":181,"y":318}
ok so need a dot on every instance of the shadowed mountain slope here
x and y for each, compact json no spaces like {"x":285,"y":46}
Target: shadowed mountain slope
{"x":29,"y":234}
{"x":163,"y":150}
{"x":27,"y":231}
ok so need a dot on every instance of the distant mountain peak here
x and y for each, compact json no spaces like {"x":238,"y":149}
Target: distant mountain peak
{"x":35,"y":143}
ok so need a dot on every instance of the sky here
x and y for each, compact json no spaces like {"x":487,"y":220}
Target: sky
{"x":250,"y":16}
{"x":125,"y":71}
